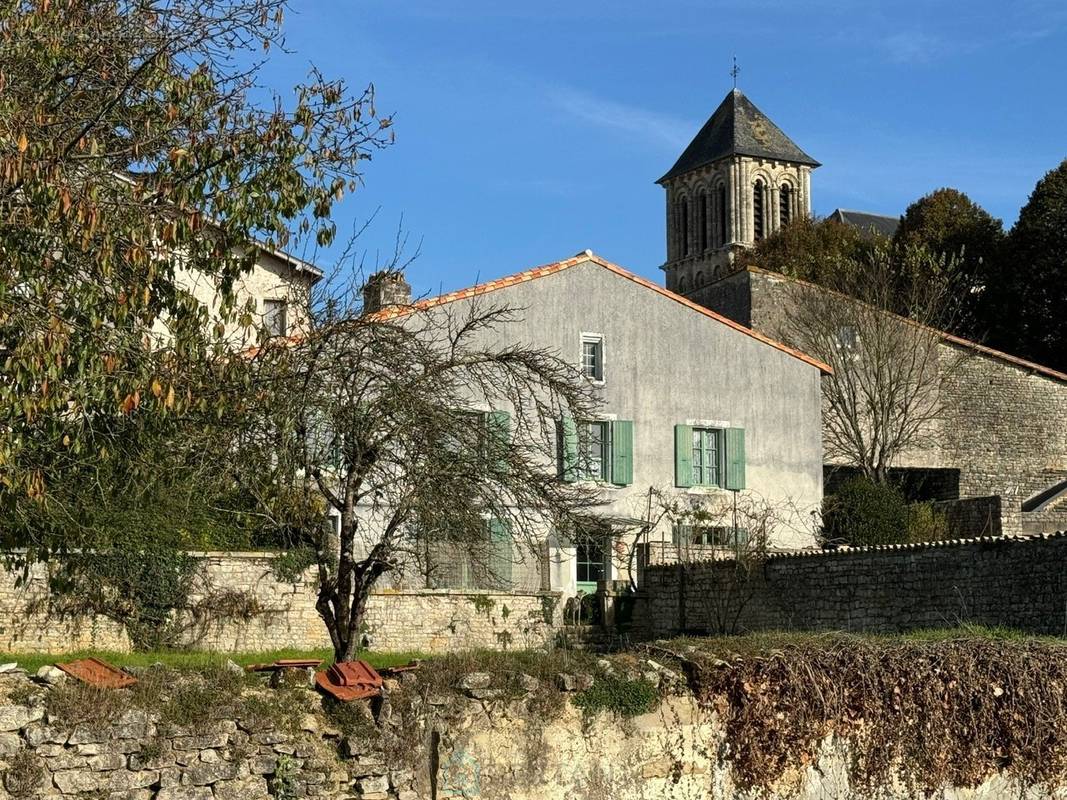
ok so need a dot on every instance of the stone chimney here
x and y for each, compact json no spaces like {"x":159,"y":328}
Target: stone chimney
{"x":384,"y":289}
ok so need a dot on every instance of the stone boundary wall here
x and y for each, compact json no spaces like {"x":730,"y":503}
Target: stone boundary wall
{"x":1016,"y":582}
{"x":972,"y":517}
{"x":270,"y":614}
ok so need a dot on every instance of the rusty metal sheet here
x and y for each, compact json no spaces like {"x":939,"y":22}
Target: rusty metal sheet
{"x":350,"y":680}
{"x":97,"y":672}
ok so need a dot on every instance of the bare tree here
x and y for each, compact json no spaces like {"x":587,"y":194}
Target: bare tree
{"x":732,"y":531}
{"x":420,"y":431}
{"x":883,"y":397}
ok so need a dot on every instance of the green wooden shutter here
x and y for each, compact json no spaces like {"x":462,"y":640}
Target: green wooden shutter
{"x":498,"y":440}
{"x":622,"y":452}
{"x":568,"y":449}
{"x":500,"y":560}
{"x":735,"y":458}
{"x":683,"y":455}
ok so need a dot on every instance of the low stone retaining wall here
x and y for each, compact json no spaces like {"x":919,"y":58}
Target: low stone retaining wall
{"x":1014,"y":582}
{"x":244,"y":606}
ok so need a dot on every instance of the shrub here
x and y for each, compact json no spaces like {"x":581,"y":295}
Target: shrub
{"x":925,"y":524}
{"x":863,"y":512}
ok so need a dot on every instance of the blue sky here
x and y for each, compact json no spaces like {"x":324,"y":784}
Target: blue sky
{"x":527,"y":131}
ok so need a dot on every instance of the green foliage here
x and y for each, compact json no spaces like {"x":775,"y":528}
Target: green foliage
{"x":811,"y":249}
{"x":926,"y":524}
{"x":618,"y":695}
{"x":290,"y":565}
{"x":948,"y":223}
{"x":1033,"y":282}
{"x":862,"y":512}
{"x":140,"y":586}
{"x":136,"y":154}
{"x":283,"y":782}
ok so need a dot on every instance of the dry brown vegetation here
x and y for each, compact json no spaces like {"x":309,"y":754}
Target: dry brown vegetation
{"x":931,"y":711}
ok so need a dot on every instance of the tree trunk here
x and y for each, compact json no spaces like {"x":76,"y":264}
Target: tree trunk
{"x":344,"y":630}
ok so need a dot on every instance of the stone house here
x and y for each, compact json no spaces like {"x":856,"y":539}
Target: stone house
{"x":1003,"y":433}
{"x":278,"y":287}
{"x":693,"y":405}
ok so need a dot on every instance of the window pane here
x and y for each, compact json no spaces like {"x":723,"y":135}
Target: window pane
{"x":595,"y":453}
{"x":706,"y":450}
{"x":274,"y":317}
{"x":591,"y":359}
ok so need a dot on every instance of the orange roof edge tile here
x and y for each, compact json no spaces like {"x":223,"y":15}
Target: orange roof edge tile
{"x":588,"y":256}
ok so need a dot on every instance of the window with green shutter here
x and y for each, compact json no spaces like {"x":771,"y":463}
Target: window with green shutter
{"x":705,"y":456}
{"x":683,"y":456}
{"x":622,"y":452}
{"x":501,"y":556}
{"x":498,"y":440}
{"x":735,"y":459}
{"x":596,"y":450}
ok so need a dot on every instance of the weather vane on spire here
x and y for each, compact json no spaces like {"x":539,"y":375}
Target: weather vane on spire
{"x":735,"y":71}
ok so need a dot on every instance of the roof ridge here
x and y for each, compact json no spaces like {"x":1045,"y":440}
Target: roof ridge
{"x":589,"y":256}
{"x":944,"y":335}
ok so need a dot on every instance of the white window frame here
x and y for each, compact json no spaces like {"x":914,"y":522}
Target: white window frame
{"x":277,"y":303}
{"x":597,"y":339}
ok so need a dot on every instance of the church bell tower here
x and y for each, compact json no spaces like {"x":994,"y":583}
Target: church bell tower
{"x":739,"y":180}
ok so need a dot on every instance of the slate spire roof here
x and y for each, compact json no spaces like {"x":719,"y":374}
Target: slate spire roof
{"x":738,"y":128}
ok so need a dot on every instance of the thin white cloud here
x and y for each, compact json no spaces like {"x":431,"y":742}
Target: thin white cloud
{"x":913,"y":47}
{"x":660,"y":130}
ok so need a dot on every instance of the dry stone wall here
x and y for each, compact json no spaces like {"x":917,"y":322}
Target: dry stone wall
{"x":1013,"y":582}
{"x":412,"y":744}
{"x":242,"y":605}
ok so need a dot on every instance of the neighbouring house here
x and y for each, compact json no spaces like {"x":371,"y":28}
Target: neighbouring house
{"x":278,"y":286}
{"x":868,"y":223}
{"x":1003,"y":433}
{"x":693,"y":405}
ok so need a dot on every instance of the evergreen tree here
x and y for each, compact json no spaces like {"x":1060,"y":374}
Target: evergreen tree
{"x":948,"y":223}
{"x":1033,"y":322}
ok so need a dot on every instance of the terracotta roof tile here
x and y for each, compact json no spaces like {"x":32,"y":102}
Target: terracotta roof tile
{"x":589,"y":257}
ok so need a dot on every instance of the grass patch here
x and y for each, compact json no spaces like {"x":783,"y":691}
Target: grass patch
{"x":766,"y":642}
{"x":626,"y":697}
{"x":196,"y":659}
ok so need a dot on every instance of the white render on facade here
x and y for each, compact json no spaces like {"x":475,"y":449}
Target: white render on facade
{"x":667,"y":362}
